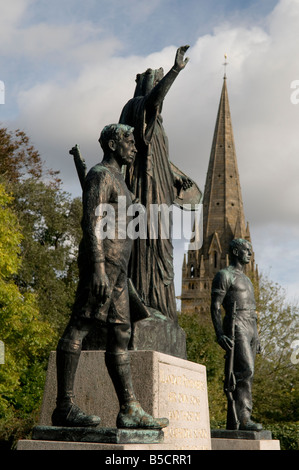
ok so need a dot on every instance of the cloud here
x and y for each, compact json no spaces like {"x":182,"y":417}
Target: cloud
{"x":59,"y":44}
{"x":11,"y":15}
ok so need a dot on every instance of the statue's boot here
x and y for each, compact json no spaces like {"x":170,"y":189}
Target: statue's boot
{"x":250,"y":425}
{"x":131,"y":414}
{"x":67,"y":413}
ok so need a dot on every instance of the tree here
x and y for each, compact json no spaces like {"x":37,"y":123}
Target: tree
{"x":39,"y":237}
{"x":50,"y":224}
{"x":19,"y":159}
{"x":276,"y":384}
{"x":202,"y":348}
{"x":25,"y":335}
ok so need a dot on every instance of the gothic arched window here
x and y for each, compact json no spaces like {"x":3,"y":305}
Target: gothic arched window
{"x":215,"y":259}
{"x":192,"y":271}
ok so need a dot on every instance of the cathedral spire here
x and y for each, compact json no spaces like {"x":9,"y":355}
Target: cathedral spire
{"x":223,"y":213}
{"x":223,"y":205}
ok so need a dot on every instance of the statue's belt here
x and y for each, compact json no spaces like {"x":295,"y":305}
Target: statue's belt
{"x":246,"y":313}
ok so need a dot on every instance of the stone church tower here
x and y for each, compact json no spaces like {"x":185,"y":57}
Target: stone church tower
{"x":223,"y":216}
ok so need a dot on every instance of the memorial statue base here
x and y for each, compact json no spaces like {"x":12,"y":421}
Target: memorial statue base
{"x":224,"y":439}
{"x":98,"y":434}
{"x":31,"y":444}
{"x":56,"y":437}
{"x":166,"y":386}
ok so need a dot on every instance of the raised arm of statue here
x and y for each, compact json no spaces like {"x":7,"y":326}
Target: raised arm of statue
{"x":156,"y":96}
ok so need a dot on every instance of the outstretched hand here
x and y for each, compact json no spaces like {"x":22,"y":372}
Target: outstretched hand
{"x":180,"y":63}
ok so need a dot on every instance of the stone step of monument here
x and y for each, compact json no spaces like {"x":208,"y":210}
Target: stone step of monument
{"x":30,"y":444}
{"x":241,"y":434}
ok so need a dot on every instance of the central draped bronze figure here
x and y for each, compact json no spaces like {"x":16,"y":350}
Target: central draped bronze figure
{"x":153,"y":180}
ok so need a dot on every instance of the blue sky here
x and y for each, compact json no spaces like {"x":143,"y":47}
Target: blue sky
{"x":144,"y":26}
{"x":130,"y":27}
{"x":69,"y":67}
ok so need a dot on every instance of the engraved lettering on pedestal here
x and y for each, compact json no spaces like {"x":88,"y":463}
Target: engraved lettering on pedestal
{"x":185,"y":404}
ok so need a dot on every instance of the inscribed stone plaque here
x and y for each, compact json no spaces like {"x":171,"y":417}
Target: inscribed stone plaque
{"x":184,"y":400}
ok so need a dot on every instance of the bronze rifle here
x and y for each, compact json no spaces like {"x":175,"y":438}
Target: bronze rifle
{"x":232,"y":421}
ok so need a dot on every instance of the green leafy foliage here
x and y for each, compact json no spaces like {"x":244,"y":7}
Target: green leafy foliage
{"x":202,"y":348}
{"x":276,"y":391}
{"x":286,"y":433}
{"x":39,"y":237}
{"x":22,"y":331}
{"x":50,"y":222}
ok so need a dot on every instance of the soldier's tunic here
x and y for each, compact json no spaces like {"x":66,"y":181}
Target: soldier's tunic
{"x":106,"y":199}
{"x":230,"y":285}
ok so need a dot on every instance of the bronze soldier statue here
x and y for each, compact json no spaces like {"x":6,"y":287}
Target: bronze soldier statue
{"x":234,"y":290}
{"x":102,"y":293}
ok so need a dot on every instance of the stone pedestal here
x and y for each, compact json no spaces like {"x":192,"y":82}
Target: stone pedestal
{"x":166,"y":386}
{"x":98,"y":438}
{"x":160,"y":334}
{"x":66,"y":445}
{"x":223,"y":439}
{"x":98,"y":435}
